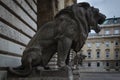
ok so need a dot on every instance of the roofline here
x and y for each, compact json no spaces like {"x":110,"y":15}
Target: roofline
{"x":113,"y":18}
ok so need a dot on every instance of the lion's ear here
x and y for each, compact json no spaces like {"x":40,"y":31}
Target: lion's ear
{"x":95,"y":10}
{"x":84,"y":4}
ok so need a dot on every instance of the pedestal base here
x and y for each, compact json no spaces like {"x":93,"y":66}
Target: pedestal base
{"x":3,"y":75}
{"x":62,"y":74}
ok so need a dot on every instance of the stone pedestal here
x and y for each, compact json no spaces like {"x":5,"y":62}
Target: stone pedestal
{"x":62,"y":74}
{"x":3,"y":75}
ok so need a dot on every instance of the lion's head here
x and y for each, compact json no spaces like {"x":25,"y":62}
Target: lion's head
{"x":84,"y":14}
{"x":95,"y":18}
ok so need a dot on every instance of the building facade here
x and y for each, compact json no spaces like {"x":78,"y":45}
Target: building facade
{"x":103,"y":49}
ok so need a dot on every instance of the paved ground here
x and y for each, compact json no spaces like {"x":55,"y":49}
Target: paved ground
{"x":99,"y":76}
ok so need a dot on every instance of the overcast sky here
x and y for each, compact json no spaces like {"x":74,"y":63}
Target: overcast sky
{"x":110,"y":8}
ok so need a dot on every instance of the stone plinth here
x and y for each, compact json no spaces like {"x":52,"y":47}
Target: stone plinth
{"x":62,"y":74}
{"x":3,"y":75}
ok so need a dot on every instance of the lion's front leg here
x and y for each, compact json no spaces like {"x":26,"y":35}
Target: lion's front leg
{"x":64,"y":46}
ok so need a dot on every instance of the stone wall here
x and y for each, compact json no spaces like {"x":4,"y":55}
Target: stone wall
{"x":18,"y":24}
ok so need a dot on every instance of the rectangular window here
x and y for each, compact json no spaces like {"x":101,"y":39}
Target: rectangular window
{"x":107,"y":44}
{"x":98,"y":54}
{"x":107,"y":64}
{"x":107,"y":32}
{"x":89,"y":45}
{"x":98,"y":64}
{"x":117,"y":64}
{"x":116,"y":43}
{"x":97,"y":44}
{"x":116,"y":30}
{"x":107,"y":53}
{"x":89,"y":54}
{"x":89,"y":64}
{"x":116,"y":53}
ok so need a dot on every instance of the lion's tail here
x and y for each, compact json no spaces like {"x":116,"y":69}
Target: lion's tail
{"x":22,"y":73}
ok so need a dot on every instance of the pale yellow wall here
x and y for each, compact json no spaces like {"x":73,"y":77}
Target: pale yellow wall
{"x":103,"y":39}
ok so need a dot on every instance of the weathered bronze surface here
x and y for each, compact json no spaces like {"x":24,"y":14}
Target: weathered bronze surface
{"x":68,"y":30}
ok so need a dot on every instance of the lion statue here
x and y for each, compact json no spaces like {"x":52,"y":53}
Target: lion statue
{"x":68,"y":30}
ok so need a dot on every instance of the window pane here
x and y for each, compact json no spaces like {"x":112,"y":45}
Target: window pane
{"x":116,"y":53}
{"x":89,"y":54}
{"x":117,"y":64}
{"x":116,"y":30}
{"x":116,"y":43}
{"x":89,"y":44}
{"x":107,"y":32}
{"x":98,"y":64}
{"x":98,"y":54}
{"x":97,"y":44}
{"x":107,"y":64}
{"x":89,"y":64}
{"x":107,"y":53}
{"x":107,"y":44}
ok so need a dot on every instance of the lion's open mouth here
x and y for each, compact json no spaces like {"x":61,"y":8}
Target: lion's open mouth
{"x":100,"y":21}
{"x":97,"y":30}
{"x":102,"y":18}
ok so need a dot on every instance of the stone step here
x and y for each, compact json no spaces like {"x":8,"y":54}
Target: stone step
{"x":3,"y":75}
{"x":100,"y":78}
{"x":45,"y":75}
{"x":39,"y":78}
{"x":100,"y":74}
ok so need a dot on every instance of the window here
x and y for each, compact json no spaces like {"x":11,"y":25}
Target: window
{"x":116,"y":43}
{"x":107,"y":53}
{"x":116,"y":53}
{"x":116,"y":64}
{"x":107,"y":44}
{"x":116,"y":30}
{"x":89,"y":64}
{"x":89,"y":54}
{"x":89,"y":45}
{"x":98,"y":64}
{"x":107,"y":31}
{"x":97,"y":44}
{"x":107,"y":64}
{"x":98,"y":54}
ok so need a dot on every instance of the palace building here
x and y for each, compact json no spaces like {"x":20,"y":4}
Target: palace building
{"x":103,"y":49}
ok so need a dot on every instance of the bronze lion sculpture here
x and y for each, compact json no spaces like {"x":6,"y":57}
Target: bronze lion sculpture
{"x":68,"y":30}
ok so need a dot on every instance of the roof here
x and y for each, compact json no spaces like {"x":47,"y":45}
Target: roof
{"x":115,"y":20}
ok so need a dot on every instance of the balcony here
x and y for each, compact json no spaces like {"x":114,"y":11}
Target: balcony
{"x":103,"y":35}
